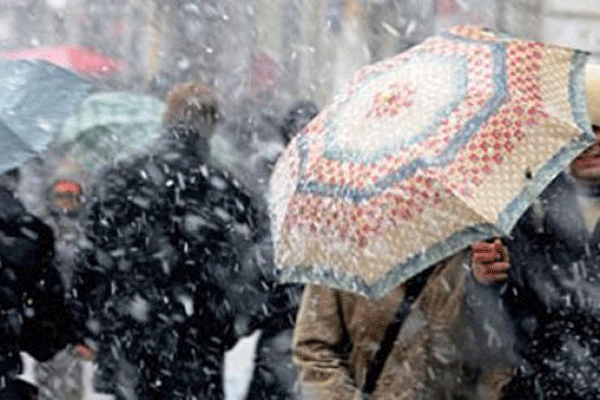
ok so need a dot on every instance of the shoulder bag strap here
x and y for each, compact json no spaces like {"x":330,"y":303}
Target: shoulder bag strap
{"x":414,"y":286}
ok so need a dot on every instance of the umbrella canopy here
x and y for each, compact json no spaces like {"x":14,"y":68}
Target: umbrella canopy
{"x":424,"y":153}
{"x":35,"y":98}
{"x":81,"y":59}
{"x":109,"y":125}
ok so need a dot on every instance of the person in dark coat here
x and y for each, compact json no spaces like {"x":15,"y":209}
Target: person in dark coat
{"x":33,"y":315}
{"x":248,"y":143}
{"x":297,"y":117}
{"x":274,"y":376}
{"x":169,"y":233}
{"x":553,"y":288}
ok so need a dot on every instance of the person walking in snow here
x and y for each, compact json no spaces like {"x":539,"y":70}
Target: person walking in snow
{"x":274,"y":376}
{"x":33,"y":315}
{"x":169,"y":234}
{"x":338,"y":335}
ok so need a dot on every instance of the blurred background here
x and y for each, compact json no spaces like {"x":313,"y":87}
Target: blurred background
{"x":270,"y":53}
{"x":273,"y":50}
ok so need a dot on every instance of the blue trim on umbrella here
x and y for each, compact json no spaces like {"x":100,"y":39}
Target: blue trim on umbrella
{"x":561,"y":160}
{"x":577,"y":93}
{"x":460,"y":139}
{"x":401,"y":273}
{"x":334,"y":152}
{"x":496,"y":38}
{"x":462,"y":239}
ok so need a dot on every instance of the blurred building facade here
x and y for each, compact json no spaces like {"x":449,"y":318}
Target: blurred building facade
{"x":278,"y":49}
{"x":567,"y":23}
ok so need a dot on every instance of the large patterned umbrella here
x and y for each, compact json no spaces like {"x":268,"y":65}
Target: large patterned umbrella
{"x":423,"y":154}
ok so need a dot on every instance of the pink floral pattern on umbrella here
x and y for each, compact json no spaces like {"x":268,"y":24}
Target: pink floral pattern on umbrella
{"x":395,"y":174}
{"x":393,"y":99}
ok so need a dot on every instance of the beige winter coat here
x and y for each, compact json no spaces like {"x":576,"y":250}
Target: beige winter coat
{"x":337,"y":334}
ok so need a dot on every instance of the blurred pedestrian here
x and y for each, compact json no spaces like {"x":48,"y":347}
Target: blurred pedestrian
{"x":169,"y":235}
{"x":53,"y":188}
{"x":274,"y":376}
{"x":248,"y":143}
{"x":34,"y":317}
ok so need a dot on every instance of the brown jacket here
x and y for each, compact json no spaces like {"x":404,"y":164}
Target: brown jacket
{"x":337,"y":334}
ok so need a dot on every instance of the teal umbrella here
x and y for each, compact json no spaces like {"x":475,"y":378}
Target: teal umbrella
{"x":111,"y":125}
{"x":35,"y":99}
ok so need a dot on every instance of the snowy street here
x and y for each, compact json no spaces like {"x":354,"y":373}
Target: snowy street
{"x":239,"y":364}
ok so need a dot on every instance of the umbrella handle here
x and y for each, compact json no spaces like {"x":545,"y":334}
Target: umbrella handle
{"x":592,"y":92}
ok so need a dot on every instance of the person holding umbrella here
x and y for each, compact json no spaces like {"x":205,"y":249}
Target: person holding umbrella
{"x":35,"y":98}
{"x":552,"y":287}
{"x":169,"y":234}
{"x":377,"y":201}
{"x":339,"y":335}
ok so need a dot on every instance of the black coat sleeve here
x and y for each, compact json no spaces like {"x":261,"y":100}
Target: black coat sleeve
{"x":32,"y":284}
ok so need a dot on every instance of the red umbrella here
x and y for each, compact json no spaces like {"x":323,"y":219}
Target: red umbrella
{"x":80,"y":59}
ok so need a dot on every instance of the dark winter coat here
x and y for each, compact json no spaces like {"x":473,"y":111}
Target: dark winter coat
{"x":554,"y":299}
{"x":33,"y":314}
{"x":247,"y":145}
{"x":171,"y":236}
{"x":274,"y":376}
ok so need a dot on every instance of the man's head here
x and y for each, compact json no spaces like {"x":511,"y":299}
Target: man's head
{"x":192,"y":105}
{"x":191,"y":117}
{"x":10,"y":179}
{"x":586,"y":167}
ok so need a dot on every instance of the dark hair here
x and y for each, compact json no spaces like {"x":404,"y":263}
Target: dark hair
{"x":191,"y":104}
{"x":298,"y":116}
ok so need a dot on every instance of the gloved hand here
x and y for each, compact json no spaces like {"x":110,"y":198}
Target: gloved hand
{"x":489,"y":262}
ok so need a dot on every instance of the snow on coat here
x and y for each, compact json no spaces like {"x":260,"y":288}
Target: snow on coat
{"x":171,"y":236}
{"x":33,"y":314}
{"x":553,"y":296}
